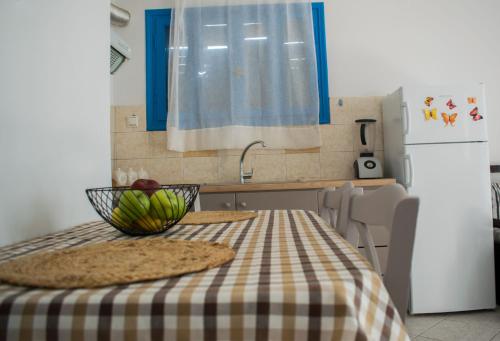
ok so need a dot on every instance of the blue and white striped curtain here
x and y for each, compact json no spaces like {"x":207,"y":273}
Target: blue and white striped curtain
{"x":241,"y":71}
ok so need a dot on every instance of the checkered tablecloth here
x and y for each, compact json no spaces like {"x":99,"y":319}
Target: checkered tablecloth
{"x":293,"y":278}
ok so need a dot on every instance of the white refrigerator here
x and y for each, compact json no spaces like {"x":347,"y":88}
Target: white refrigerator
{"x":436,"y":145}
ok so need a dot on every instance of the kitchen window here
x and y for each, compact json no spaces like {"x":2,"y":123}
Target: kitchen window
{"x":157,"y":50}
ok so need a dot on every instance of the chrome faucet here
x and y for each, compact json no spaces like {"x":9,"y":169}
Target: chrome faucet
{"x":244,"y":176}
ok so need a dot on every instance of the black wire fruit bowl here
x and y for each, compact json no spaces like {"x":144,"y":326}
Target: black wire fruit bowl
{"x":143,"y":212}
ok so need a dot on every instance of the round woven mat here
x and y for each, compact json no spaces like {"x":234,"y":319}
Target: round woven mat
{"x":116,"y":262}
{"x":214,"y":217}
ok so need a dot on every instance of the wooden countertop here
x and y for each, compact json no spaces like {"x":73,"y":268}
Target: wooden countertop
{"x":285,"y":186}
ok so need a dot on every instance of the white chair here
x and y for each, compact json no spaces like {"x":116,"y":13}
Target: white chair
{"x":197,"y":204}
{"x":335,"y":210}
{"x":391,"y":207}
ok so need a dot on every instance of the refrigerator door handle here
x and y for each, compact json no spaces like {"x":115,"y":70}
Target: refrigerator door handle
{"x":406,"y":119}
{"x":407,"y":171}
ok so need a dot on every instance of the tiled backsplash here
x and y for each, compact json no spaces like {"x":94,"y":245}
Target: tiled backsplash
{"x":136,"y":148}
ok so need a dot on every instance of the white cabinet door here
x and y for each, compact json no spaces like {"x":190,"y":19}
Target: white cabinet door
{"x":434,"y":129}
{"x":453,"y":257}
{"x":278,"y":200}
{"x":217,"y":201}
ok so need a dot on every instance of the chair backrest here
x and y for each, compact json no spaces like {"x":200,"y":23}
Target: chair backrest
{"x":389,"y":206}
{"x":377,"y":207}
{"x":335,"y":210}
{"x":397,"y":275}
{"x":331,"y":205}
{"x":197,"y":204}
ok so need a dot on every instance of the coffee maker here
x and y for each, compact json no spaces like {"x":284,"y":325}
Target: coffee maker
{"x":367,"y":166}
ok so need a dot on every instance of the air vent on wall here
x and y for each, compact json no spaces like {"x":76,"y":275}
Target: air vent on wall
{"x":120,"y":51}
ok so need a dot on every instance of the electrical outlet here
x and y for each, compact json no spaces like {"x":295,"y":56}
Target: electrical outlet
{"x":133,"y":121}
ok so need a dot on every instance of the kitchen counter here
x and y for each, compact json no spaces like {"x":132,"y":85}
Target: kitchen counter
{"x":284,"y":186}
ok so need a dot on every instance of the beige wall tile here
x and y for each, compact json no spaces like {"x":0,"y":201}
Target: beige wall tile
{"x":112,"y":118}
{"x":121,"y":114}
{"x":302,"y":166}
{"x":157,"y":141}
{"x":229,"y":168}
{"x":158,"y":145}
{"x":200,"y":169}
{"x":166,"y":171}
{"x":255,"y":150}
{"x":200,"y":153}
{"x":379,"y":142}
{"x":340,"y":114}
{"x":135,"y":164}
{"x":131,"y":148}
{"x":113,"y":146}
{"x":258,"y":150}
{"x":132,"y":145}
{"x":339,"y":137}
{"x":302,"y":151}
{"x":268,"y":167}
{"x":113,"y":167}
{"x":337,"y":165}
{"x":229,"y":152}
{"x":366,"y":107}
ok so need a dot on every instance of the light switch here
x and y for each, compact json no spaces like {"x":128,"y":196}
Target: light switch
{"x":133,"y":121}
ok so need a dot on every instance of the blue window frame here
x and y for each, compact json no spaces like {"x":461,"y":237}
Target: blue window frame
{"x":157,"y":41}
{"x":318,"y":12}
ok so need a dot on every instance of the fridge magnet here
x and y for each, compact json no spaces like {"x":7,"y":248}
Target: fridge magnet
{"x":475,"y":114}
{"x":430,"y":113}
{"x":428,"y":101}
{"x":449,"y":119}
{"x":472,"y":100}
{"x":451,"y":105}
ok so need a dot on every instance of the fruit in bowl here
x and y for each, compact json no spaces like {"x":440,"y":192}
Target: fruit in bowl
{"x":182,"y":206}
{"x":134,"y":204}
{"x":149,"y":223}
{"x":119,"y":218}
{"x":148,"y":186}
{"x":134,"y":212}
{"x":166,"y":205}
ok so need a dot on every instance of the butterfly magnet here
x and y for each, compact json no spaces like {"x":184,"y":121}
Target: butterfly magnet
{"x":428,"y":101}
{"x":449,"y":119}
{"x":430,"y":113}
{"x":474,"y":113}
{"x":450,"y":104}
{"x":472,"y":100}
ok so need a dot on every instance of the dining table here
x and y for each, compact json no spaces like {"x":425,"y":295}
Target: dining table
{"x":292,"y":278}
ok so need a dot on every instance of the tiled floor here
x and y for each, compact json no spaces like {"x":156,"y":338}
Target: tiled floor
{"x":473,"y":326}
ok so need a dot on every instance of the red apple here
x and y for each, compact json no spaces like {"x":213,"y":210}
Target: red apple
{"x":146,"y":185}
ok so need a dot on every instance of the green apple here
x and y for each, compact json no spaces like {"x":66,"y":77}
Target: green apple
{"x":120,"y":219}
{"x":182,"y":206}
{"x":134,"y":204}
{"x":164,"y":205}
{"x":149,"y":223}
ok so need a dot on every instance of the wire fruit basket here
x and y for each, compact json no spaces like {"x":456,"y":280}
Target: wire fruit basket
{"x":143,"y":212}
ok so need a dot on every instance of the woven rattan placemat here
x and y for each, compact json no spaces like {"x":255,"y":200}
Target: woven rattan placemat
{"x":115,"y":262}
{"x":214,"y":217}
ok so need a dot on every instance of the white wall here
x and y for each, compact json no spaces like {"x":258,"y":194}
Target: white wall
{"x":129,"y":82}
{"x":375,"y":46}
{"x":54,"y":95}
